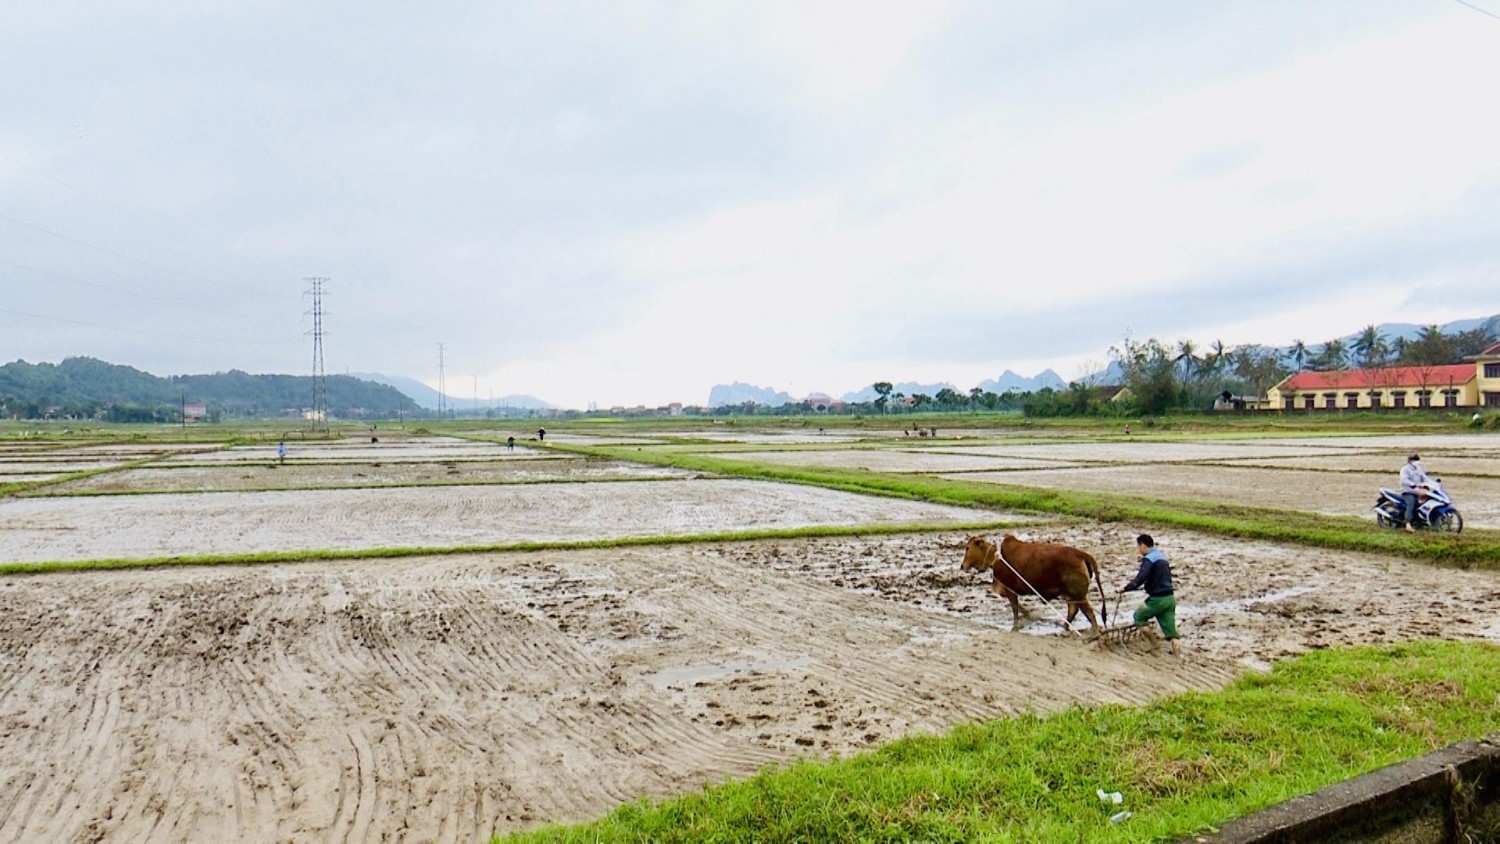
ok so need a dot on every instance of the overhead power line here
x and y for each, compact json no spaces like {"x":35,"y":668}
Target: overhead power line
{"x":103,"y":286}
{"x":28,"y":315}
{"x":121,"y":255}
{"x":1481,"y":10}
{"x":74,"y":188}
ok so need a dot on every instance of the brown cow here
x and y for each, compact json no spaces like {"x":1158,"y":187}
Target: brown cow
{"x":1048,"y":568}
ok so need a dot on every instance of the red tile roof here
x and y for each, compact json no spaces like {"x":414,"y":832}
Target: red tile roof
{"x":1381,"y":379}
{"x":1493,"y":351}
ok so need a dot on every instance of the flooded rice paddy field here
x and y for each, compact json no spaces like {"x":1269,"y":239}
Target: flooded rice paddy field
{"x":450,"y":695}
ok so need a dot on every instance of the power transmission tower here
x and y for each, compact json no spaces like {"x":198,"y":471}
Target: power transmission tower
{"x":442,"y":385}
{"x":319,"y":379}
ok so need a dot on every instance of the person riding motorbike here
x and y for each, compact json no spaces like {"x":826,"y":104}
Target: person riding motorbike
{"x":1414,"y":482}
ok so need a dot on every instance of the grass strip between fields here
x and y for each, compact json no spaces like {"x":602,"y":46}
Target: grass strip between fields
{"x":326,"y":554}
{"x":25,"y":487}
{"x":1183,"y":764}
{"x":1471,"y":549}
{"x":340,"y":486}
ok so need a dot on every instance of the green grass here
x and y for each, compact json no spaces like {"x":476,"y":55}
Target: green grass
{"x":347,"y":485}
{"x":1184,"y":764}
{"x":1472,"y":549}
{"x":395,"y":552}
{"x":25,"y":487}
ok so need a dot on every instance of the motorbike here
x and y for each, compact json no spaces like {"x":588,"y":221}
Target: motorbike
{"x":1435,"y":511}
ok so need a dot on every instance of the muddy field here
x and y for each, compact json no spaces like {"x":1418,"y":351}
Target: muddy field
{"x":446,"y":697}
{"x":1336,"y":476}
{"x":137,"y":527}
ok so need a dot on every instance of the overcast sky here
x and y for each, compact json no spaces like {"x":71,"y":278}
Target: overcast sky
{"x":627,"y":203}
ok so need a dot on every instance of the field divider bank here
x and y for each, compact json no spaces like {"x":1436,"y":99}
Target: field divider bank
{"x":394,"y":552}
{"x":22,"y":488}
{"x":106,"y":493}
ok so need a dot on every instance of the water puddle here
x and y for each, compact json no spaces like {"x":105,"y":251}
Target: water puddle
{"x":689,"y":674}
{"x":1491,"y":633}
{"x":1190,"y":609}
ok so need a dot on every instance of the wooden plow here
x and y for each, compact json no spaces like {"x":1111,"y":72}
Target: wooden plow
{"x":1127,"y":637}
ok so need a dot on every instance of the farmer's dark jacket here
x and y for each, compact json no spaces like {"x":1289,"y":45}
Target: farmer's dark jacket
{"x":1155,"y":575}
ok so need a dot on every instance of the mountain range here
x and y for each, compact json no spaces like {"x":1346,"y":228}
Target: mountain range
{"x":427,"y":397}
{"x":1410,"y":331}
{"x":740,"y":393}
{"x":85,"y":381}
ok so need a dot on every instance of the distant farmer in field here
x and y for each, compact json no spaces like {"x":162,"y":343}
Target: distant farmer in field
{"x":541,"y":433}
{"x":281,"y":452}
{"x":1414,"y":482}
{"x":510,"y":443}
{"x":1156,"y":576}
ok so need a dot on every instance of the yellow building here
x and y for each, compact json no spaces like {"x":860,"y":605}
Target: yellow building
{"x":1488,"y":383}
{"x":1448,"y":386}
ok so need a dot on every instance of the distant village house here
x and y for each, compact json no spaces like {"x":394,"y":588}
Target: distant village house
{"x":1450,"y":386}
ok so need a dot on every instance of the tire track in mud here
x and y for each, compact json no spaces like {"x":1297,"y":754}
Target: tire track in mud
{"x":398,"y":649}
{"x":542,"y":666}
{"x":446,"y":698}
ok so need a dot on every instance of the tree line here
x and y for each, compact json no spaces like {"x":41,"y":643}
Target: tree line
{"x":1160,"y":377}
{"x":86,"y":388}
{"x":1431,"y":347}
{"x":1163,"y":377}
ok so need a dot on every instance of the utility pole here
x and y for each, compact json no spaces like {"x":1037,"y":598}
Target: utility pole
{"x":319,"y":379}
{"x":442,"y":384}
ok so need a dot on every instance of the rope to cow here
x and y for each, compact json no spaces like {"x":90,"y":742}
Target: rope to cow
{"x":1060,"y":617}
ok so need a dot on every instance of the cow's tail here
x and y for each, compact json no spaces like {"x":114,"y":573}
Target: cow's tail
{"x":1093,"y":566}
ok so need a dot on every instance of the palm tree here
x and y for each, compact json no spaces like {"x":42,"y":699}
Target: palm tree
{"x":1370,"y":347}
{"x":1431,"y":348}
{"x":1258,"y":365}
{"x":1331,"y":356}
{"x":1187,"y":356}
{"x":1299,"y":354}
{"x":1216,"y":358}
{"x":1192,"y":372}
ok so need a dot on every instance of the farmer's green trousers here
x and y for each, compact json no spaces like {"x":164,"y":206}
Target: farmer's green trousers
{"x":1163,"y":608}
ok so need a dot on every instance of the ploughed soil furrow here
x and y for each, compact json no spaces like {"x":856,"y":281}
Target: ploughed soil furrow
{"x":441,"y":699}
{"x":815,"y":673}
{"x":834,"y":666}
